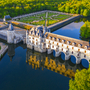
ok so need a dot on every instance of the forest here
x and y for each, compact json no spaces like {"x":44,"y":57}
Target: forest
{"x":19,"y":7}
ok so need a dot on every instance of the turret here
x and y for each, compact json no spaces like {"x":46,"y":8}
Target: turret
{"x":10,"y":34}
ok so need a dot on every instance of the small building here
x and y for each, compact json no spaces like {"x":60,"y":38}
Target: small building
{"x":15,"y":36}
{"x":7,"y":17}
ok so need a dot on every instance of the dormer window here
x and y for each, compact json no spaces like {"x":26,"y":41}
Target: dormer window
{"x":73,"y":43}
{"x":79,"y":45}
{"x":68,"y":42}
{"x":58,"y":39}
{"x":63,"y":41}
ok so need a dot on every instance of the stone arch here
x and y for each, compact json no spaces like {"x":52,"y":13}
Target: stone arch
{"x":85,"y":63}
{"x":73,"y":59}
{"x":62,"y":55}
{"x":54,"y":53}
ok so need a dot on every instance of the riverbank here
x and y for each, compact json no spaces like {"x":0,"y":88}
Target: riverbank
{"x":3,"y":49}
{"x":63,"y":23}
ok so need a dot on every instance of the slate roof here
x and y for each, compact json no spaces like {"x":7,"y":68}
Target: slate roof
{"x":11,"y":27}
{"x":7,"y":17}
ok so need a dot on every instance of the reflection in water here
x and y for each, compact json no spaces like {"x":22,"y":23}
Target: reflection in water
{"x":42,"y":60}
{"x":11,"y":49}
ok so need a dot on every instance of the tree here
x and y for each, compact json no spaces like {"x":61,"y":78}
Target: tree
{"x":67,"y":8}
{"x":86,"y":12}
{"x":77,"y":11}
{"x":81,"y":81}
{"x":72,"y":11}
{"x":85,"y":30}
{"x":81,"y":12}
{"x":61,"y":8}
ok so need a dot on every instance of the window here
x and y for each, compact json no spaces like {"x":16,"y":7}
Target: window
{"x":72,"y":47}
{"x":85,"y":51}
{"x":53,"y":46}
{"x":36,"y":43}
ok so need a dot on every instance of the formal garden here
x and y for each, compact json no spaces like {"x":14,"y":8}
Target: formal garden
{"x":39,"y":19}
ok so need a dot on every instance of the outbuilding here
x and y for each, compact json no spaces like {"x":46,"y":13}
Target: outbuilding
{"x":7,"y":17}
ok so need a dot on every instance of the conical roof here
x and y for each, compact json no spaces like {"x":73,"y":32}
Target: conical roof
{"x":10,"y":27}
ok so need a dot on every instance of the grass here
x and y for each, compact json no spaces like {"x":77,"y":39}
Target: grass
{"x":39,"y":19}
{"x":0,"y":47}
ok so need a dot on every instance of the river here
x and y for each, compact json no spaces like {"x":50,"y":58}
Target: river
{"x":24,"y":69}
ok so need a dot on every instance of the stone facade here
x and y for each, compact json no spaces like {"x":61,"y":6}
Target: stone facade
{"x":39,"y":39}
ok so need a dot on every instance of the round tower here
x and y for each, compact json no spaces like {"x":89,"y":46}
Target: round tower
{"x":10,"y":34}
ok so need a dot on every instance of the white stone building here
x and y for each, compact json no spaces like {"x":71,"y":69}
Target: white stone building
{"x":35,"y":38}
{"x":39,"y":39}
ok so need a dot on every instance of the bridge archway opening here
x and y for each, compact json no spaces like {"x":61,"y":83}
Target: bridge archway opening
{"x":70,"y":63}
{"x":73,"y":59}
{"x":63,"y":55}
{"x":54,"y":53}
{"x":85,"y":63}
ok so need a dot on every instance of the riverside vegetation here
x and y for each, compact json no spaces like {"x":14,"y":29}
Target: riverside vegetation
{"x":81,"y":81}
{"x":85,"y":30}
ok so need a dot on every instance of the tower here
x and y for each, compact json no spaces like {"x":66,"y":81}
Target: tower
{"x":10,"y":34}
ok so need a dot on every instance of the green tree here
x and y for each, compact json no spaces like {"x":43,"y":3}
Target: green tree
{"x":85,"y":30}
{"x":72,"y":11}
{"x":81,"y":81}
{"x":86,"y":12}
{"x":67,"y":8}
{"x":77,"y":11}
{"x":62,"y":8}
{"x":81,"y":11}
